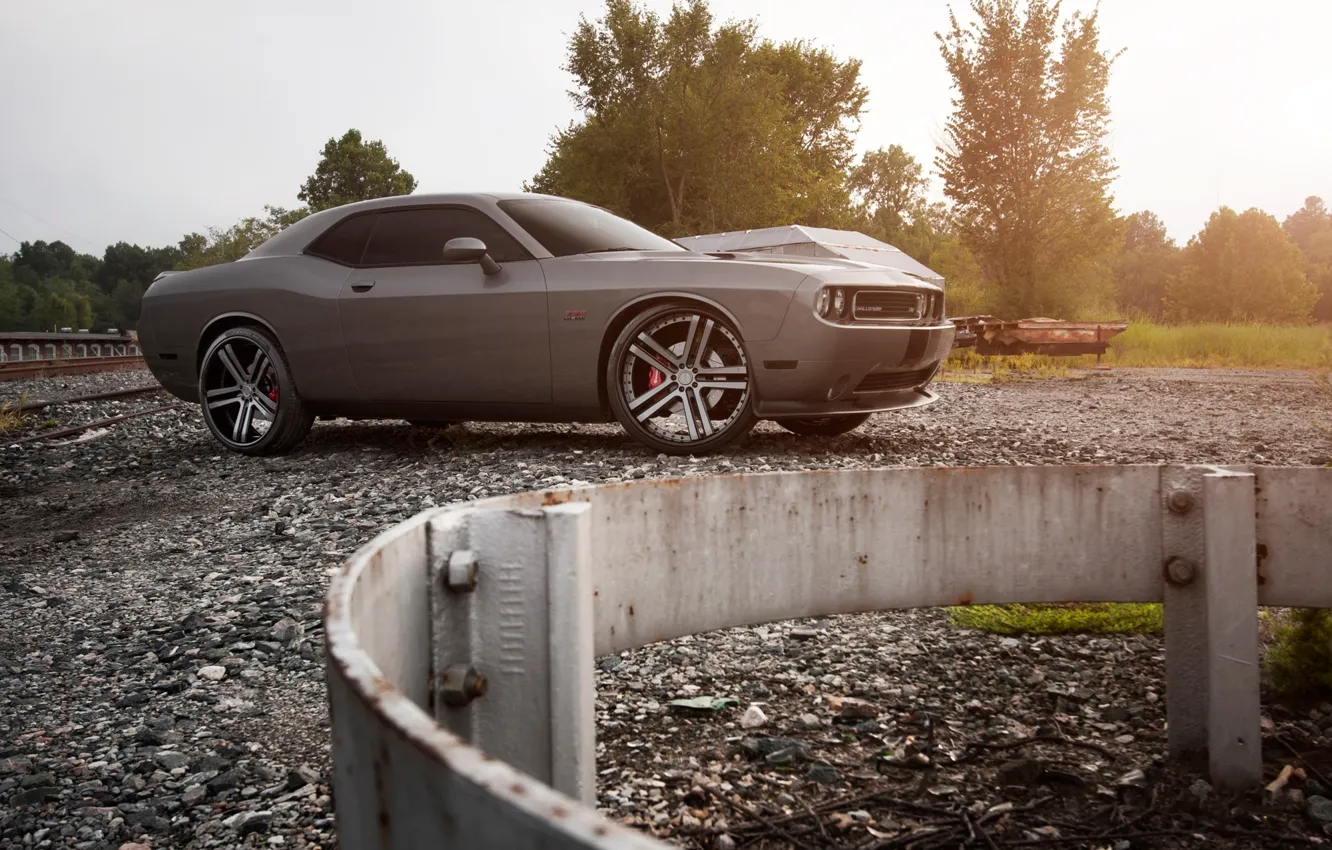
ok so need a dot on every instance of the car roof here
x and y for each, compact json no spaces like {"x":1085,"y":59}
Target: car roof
{"x":295,"y":237}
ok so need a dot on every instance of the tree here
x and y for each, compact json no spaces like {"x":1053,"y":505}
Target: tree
{"x":688,"y":126}
{"x":1025,"y":161}
{"x":126,"y":300}
{"x":889,"y":189}
{"x":223,"y":246}
{"x":1310,"y":227}
{"x":45,"y":259}
{"x":353,"y":170}
{"x":123,"y":261}
{"x":1242,"y":267}
{"x":1145,"y":264}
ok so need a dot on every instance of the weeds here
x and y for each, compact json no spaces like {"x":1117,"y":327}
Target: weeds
{"x":11,"y":415}
{"x":1299,"y":660}
{"x":965,"y":363}
{"x":1098,"y":617}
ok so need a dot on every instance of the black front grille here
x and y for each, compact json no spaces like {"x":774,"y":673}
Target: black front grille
{"x":887,"y":305}
{"x":882,"y":382}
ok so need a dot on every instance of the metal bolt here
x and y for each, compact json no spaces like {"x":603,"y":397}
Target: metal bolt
{"x":461,"y":575}
{"x":461,"y":685}
{"x":1180,"y":571}
{"x":1181,"y":502}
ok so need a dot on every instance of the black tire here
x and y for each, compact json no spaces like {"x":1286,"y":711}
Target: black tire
{"x":245,"y":376}
{"x":703,"y":398}
{"x":431,"y":423}
{"x":825,"y":426}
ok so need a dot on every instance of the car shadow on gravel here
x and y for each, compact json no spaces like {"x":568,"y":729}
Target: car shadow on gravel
{"x":767,"y":440}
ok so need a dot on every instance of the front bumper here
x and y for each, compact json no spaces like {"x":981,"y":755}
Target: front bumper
{"x":813,"y":368}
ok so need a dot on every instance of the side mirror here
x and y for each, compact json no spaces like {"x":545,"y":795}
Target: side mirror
{"x":466,"y":249}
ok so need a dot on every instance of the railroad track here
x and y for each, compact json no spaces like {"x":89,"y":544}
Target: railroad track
{"x":25,"y":369}
{"x":31,"y":406}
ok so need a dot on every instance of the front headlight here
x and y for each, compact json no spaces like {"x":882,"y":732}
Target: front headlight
{"x":821,"y":303}
{"x":839,"y":302}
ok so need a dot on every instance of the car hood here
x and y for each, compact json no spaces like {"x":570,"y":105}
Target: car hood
{"x":828,"y":269}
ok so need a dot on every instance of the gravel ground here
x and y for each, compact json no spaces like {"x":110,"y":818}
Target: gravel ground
{"x":161,"y":651}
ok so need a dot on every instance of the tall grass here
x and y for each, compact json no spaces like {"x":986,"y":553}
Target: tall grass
{"x":1234,"y":346}
{"x":11,"y":415}
{"x":1174,"y":346}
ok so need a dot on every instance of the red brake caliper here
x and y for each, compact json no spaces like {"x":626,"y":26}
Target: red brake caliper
{"x":655,"y":377}
{"x":273,"y":394}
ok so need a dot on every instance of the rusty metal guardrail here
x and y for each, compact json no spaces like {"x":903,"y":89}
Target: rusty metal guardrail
{"x":461,"y":642}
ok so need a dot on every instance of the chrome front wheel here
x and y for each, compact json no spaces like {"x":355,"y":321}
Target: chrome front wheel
{"x":679,"y":380}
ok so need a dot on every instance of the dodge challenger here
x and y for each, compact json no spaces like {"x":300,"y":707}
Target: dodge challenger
{"x":531,"y":308}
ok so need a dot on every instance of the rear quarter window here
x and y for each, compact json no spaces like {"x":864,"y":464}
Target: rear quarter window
{"x":345,"y":241}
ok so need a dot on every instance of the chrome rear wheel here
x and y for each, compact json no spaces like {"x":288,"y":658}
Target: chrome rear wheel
{"x":249,"y":400}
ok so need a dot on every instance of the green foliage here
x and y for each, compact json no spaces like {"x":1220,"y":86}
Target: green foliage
{"x":689,"y":127}
{"x":47,"y":286}
{"x":1300,"y":659}
{"x":1223,"y":346}
{"x":1025,"y":162}
{"x":889,"y":188}
{"x":1310,"y":227}
{"x":1145,"y":265}
{"x":225,"y":246}
{"x":1242,"y":267}
{"x":125,"y":262}
{"x":1169,"y":346}
{"x":354,"y":170}
{"x":966,"y":293}
{"x":1100,"y":617}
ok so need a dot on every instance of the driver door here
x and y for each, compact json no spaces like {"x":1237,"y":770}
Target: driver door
{"x":418,"y":328}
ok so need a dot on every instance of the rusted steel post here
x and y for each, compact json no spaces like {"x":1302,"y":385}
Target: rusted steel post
{"x":1183,"y":554}
{"x":1234,"y":737}
{"x":511,"y":607}
{"x":573,"y":718}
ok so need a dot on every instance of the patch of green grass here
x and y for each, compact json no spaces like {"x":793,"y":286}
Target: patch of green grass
{"x":1096,"y":617}
{"x":1170,"y":346}
{"x":1223,"y":346}
{"x":1299,"y":659}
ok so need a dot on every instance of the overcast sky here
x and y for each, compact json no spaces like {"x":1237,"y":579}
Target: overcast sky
{"x":141,"y":120}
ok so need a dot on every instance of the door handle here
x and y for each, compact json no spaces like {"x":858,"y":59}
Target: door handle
{"x":363,"y":286}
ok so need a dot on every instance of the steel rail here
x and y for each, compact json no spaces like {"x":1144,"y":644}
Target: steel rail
{"x":56,"y":402}
{"x":24,"y":369}
{"x":79,"y":429}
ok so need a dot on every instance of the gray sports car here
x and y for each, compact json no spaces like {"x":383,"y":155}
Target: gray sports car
{"x":532,"y":308}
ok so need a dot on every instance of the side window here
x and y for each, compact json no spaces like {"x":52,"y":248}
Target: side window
{"x":406,"y":237}
{"x":344,"y":242}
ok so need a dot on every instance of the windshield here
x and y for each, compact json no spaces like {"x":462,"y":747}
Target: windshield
{"x":565,"y":228}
